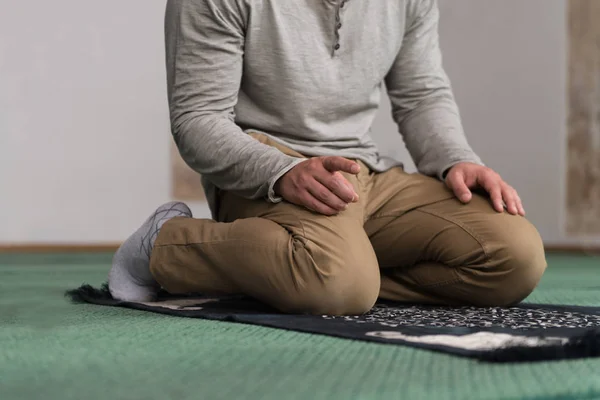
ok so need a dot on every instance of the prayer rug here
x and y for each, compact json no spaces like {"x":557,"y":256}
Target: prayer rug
{"x":523,"y":333}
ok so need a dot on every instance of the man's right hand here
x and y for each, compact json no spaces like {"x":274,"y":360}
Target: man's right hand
{"x":318,"y":185}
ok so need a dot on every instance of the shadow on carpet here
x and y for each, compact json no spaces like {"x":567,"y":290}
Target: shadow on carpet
{"x":523,"y":333}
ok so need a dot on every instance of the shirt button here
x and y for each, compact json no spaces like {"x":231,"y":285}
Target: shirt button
{"x":339,"y":25}
{"x":342,"y":5}
{"x":337,"y":46}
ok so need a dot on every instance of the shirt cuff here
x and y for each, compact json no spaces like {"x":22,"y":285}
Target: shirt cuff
{"x":271,"y":196}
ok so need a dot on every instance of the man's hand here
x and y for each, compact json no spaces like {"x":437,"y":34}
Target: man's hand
{"x":318,"y":185}
{"x":465,"y":176}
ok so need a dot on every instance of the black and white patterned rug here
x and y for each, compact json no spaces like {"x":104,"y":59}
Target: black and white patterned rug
{"x":525,"y":333}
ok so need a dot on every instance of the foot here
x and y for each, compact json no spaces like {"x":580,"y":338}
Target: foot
{"x":129,"y":278}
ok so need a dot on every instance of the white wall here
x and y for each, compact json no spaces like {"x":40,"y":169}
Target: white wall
{"x":84,"y":118}
{"x":83,"y":115}
{"x":508,"y":60}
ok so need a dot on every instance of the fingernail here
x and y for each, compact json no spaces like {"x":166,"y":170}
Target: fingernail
{"x":464,"y":197}
{"x":355,"y":168}
{"x":355,"y":198}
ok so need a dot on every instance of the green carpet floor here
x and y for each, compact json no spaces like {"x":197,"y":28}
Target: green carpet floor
{"x":51,"y":349}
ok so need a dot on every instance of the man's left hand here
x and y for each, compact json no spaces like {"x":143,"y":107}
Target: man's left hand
{"x":463,"y":177}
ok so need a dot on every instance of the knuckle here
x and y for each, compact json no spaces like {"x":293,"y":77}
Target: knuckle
{"x":334,"y":183}
{"x":489,"y":172}
{"x":302,"y":180}
{"x":313,"y":162}
{"x":310,"y":169}
{"x":312,"y":204}
{"x":489,"y":175}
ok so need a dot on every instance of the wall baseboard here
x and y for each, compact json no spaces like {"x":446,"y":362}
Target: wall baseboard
{"x":112,"y":247}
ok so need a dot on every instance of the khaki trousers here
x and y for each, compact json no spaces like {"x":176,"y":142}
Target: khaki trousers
{"x":407,"y":239}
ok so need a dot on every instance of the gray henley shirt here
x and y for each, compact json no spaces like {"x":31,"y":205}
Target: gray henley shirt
{"x":309,"y":74}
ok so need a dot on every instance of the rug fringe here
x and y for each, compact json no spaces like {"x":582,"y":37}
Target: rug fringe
{"x":89,"y":294}
{"x":583,"y":346}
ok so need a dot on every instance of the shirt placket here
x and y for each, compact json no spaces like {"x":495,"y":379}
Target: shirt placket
{"x":338,"y":25}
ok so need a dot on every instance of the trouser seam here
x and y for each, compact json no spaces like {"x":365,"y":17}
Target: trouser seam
{"x":468,"y":231}
{"x":480,"y":241}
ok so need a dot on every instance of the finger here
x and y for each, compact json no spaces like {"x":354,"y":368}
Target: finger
{"x":334,"y":163}
{"x":457,"y":183}
{"x":509,"y":196}
{"x":346,"y":182}
{"x":492,"y":184}
{"x":326,"y":196}
{"x":496,"y":197}
{"x":338,"y":185}
{"x":520,"y":205}
{"x":310,"y":202}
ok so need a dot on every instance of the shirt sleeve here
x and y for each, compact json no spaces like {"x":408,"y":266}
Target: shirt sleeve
{"x":423,"y":104}
{"x":204,"y":54}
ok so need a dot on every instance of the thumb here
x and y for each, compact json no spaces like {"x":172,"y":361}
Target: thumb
{"x":457,"y":183}
{"x":336,"y":163}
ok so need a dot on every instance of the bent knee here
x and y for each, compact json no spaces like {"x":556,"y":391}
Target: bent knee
{"x":337,"y":285}
{"x":339,"y":276}
{"x":515,"y":265}
{"x":343,"y":297}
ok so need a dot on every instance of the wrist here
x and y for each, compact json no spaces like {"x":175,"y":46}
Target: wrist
{"x":277,"y":186}
{"x":274,"y":192}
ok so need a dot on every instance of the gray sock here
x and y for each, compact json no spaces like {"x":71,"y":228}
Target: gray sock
{"x":129,"y":278}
